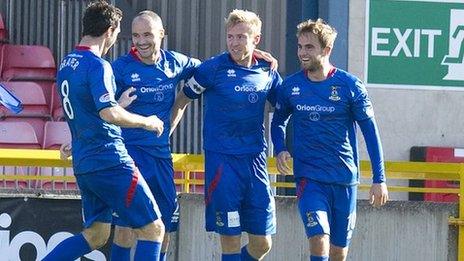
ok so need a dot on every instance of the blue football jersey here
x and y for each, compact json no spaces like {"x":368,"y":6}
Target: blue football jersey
{"x":234,"y":100}
{"x":155,"y":86}
{"x":86,"y":86}
{"x":324,"y":115}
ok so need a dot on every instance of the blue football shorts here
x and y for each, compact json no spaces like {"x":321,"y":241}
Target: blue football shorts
{"x":238,"y":196}
{"x":159,"y":175}
{"x":120,"y":189}
{"x":327,"y":209}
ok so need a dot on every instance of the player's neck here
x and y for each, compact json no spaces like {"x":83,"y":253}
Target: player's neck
{"x":95,"y":44}
{"x":323,"y":73}
{"x":150,"y":60}
{"x":247,"y":62}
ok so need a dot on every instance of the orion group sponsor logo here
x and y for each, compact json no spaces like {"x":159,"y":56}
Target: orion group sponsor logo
{"x":315,"y":108}
{"x":159,"y":88}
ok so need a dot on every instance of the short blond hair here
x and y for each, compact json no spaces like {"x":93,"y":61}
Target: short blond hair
{"x":324,"y":32}
{"x":244,"y":16}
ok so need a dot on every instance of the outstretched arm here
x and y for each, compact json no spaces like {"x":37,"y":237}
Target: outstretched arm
{"x":378,"y":193}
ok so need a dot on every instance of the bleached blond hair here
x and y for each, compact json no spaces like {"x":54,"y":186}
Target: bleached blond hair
{"x":244,"y":16}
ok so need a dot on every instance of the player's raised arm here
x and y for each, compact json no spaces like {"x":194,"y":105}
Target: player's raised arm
{"x":178,"y":109}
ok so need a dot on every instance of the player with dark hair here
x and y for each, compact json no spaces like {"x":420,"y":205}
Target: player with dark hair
{"x":107,"y":177}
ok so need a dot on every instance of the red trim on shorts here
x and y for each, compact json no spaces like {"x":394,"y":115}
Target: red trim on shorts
{"x":133,"y":185}
{"x":213,"y":185}
{"x":301,"y":187}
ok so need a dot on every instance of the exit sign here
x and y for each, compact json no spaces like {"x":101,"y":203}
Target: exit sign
{"x":415,"y":44}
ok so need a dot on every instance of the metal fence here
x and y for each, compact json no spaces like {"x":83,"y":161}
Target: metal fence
{"x":194,"y":27}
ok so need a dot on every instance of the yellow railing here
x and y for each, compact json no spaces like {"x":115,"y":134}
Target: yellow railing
{"x":195,"y":163}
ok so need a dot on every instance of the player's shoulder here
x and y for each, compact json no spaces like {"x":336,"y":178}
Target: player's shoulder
{"x":173,"y":55}
{"x":123,"y":60}
{"x":347,"y":78}
{"x":213,"y":63}
{"x":292,"y":79}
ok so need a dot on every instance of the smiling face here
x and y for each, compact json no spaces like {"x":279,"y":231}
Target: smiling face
{"x":147,"y":36}
{"x":241,"y":42}
{"x":310,"y":52}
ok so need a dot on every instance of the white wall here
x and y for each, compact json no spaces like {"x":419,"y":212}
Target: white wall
{"x":406,"y":118}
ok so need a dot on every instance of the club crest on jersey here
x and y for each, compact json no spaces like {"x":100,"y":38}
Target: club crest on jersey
{"x":135,"y":77}
{"x":310,"y":220}
{"x":296,"y":90}
{"x":167,"y":70}
{"x":334,"y":94}
{"x":231,"y":73}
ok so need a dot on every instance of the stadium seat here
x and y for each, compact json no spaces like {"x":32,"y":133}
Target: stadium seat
{"x":27,"y":63}
{"x":56,"y":108}
{"x":200,"y":189}
{"x":31,"y":96}
{"x":36,"y":123}
{"x":17,"y":170}
{"x":56,"y":185}
{"x":18,"y":135}
{"x":3,"y":31}
{"x":179,"y":175}
{"x":55,"y":134}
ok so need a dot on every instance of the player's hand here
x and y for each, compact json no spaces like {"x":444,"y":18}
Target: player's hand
{"x":378,"y":195}
{"x":127,"y":97}
{"x":282,"y":162}
{"x":153,"y":123}
{"x":65,"y":151}
{"x":267,"y":57}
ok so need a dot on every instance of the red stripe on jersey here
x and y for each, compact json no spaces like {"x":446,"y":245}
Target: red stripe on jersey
{"x":331,"y":72}
{"x":133,"y":51}
{"x":301,"y":187}
{"x":213,"y":185}
{"x":132,"y":187}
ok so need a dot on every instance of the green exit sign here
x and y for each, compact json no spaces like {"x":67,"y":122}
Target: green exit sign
{"x":413,"y":43}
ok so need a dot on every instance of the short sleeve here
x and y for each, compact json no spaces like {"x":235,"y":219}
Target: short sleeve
{"x":102,"y":85}
{"x":361,"y":106}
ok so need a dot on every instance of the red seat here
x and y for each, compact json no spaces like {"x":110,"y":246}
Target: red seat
{"x":17,"y":170}
{"x":56,"y":184}
{"x":28,"y":62}
{"x":55,"y":134}
{"x":36,"y":123}
{"x":31,"y":96}
{"x":56,"y":108}
{"x":3,"y":31}
{"x":18,"y":135}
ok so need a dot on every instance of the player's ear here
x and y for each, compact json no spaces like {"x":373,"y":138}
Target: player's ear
{"x":256,"y":39}
{"x":327,"y":50}
{"x":161,"y":33}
